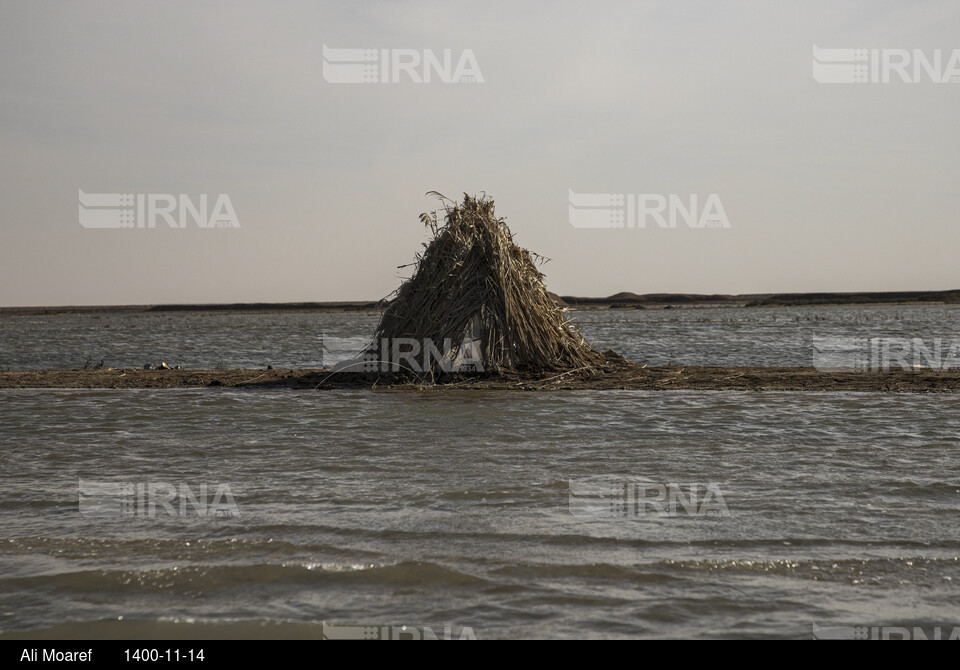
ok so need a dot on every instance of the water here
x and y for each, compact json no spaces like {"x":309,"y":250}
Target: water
{"x":779,"y":336}
{"x":427,"y":509}
{"x":205,"y":340}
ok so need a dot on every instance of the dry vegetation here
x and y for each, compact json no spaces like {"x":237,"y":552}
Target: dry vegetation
{"x":472,"y":278}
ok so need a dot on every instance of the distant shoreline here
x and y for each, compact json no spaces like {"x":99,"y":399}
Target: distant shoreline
{"x":623,"y":300}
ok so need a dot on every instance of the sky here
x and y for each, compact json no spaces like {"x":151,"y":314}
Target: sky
{"x":840,"y":186}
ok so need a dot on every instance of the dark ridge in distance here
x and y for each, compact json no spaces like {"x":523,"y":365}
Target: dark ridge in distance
{"x":621,"y":300}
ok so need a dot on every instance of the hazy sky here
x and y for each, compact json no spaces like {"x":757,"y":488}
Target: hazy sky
{"x":827,"y":187}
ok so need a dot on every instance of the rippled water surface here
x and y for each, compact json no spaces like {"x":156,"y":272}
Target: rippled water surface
{"x":778,"y":336}
{"x":384,"y":508}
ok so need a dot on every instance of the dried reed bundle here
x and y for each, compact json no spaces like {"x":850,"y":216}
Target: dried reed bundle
{"x":471,"y":281}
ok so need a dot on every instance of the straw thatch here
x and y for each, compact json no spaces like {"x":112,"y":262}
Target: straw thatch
{"x":473,"y":285}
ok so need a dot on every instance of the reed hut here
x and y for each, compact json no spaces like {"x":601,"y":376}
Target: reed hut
{"x":478,"y":298}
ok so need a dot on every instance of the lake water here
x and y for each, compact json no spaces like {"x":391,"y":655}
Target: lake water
{"x":466,"y":509}
{"x":779,"y":336}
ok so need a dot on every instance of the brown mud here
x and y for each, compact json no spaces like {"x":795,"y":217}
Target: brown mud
{"x":616,"y":373}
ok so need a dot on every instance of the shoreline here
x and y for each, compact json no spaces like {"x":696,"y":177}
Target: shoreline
{"x":622,"y":300}
{"x":624,"y":376}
